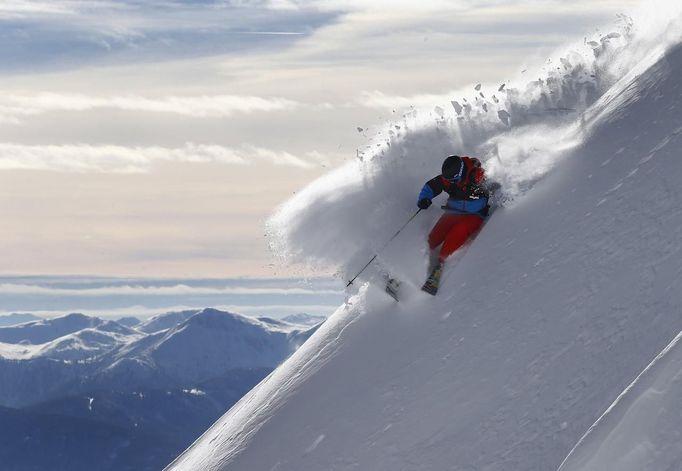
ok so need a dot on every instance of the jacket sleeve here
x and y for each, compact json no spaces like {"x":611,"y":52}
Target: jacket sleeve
{"x":431,"y":189}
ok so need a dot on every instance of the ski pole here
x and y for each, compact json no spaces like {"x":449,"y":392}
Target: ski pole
{"x":382,"y":248}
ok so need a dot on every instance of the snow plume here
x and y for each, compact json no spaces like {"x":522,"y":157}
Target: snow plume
{"x":519,"y":128}
{"x":563,"y":299}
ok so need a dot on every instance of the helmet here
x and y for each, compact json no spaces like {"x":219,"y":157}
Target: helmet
{"x":452,"y":168}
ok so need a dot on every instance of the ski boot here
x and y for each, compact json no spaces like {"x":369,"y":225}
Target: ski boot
{"x":433,"y":281}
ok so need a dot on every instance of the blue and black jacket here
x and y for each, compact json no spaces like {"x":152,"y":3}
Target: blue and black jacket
{"x":467,"y":195}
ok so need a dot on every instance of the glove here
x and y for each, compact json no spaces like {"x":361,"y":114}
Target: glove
{"x":424,"y":203}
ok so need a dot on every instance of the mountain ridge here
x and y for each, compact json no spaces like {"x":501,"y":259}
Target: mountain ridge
{"x":122,"y":393}
{"x":199,"y":346}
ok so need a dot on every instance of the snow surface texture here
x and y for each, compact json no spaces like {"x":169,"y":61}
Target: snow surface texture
{"x":641,"y":431}
{"x":564,"y":298}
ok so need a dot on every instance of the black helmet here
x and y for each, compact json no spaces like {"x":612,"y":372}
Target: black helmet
{"x":452,"y":167}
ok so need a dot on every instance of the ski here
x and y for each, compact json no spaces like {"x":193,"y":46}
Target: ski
{"x":392,"y":287}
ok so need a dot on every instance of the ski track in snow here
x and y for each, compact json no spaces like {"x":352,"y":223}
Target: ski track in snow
{"x":641,"y":430}
{"x":563,"y":299}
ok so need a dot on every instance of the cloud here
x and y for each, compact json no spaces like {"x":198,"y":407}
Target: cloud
{"x":87,"y":30}
{"x":404,"y":30}
{"x":13,"y":106}
{"x":377,"y":99}
{"x":351,"y":6}
{"x":363,"y":5}
{"x":48,"y":35}
{"x":175,"y":290}
{"x":15,"y":9}
{"x":85,"y":158}
{"x":143,"y":312}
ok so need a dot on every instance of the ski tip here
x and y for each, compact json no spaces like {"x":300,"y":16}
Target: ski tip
{"x":392,"y":288}
{"x":430,"y":290}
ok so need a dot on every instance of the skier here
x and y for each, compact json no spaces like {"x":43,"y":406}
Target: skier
{"x":467,"y":207}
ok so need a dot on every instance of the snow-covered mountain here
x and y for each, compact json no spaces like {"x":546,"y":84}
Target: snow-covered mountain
{"x":88,"y":343}
{"x":129,"y":321}
{"x":74,"y":337}
{"x":208,"y":342}
{"x":43,"y":359}
{"x":165,"y":321}
{"x":304,"y":319}
{"x":13,"y":319}
{"x":567,"y":295}
{"x":98,"y":354}
{"x":116,"y":390}
{"x":43,"y":331}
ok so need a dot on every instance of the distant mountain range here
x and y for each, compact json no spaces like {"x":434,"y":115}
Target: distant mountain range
{"x":16,"y":318}
{"x":161,"y":381}
{"x":304,"y":319}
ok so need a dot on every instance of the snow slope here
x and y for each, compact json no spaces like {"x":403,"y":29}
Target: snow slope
{"x":642,"y":430}
{"x":565,"y":297}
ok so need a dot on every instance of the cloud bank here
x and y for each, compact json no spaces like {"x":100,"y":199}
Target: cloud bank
{"x":14,"y":106}
{"x":174,"y":290}
{"x":84,"y":158}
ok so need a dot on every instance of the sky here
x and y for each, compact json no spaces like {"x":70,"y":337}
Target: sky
{"x":116,"y":297}
{"x":155,"y":138}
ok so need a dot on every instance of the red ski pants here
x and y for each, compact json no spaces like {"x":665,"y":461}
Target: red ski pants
{"x":453,"y":230}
